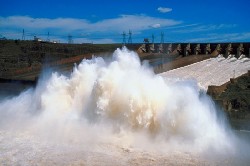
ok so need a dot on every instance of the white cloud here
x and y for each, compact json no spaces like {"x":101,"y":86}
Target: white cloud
{"x":215,"y":37}
{"x":94,"y":41}
{"x":109,"y":30}
{"x":181,"y":26}
{"x":42,"y":23}
{"x":121,"y":23}
{"x":156,"y":25}
{"x":64,"y":26}
{"x":202,"y":28}
{"x":164,"y":9}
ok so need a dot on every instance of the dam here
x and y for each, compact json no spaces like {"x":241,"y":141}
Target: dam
{"x":119,"y":110}
{"x":28,"y":58}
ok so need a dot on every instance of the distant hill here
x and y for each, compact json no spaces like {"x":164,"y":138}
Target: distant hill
{"x":16,"y":54}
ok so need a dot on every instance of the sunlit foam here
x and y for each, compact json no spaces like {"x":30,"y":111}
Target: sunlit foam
{"x":118,"y":102}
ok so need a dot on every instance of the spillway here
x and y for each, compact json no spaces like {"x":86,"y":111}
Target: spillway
{"x":116,"y":113}
{"x":213,"y":71}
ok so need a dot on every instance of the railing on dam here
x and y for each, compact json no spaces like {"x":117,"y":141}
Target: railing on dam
{"x":186,"y":49}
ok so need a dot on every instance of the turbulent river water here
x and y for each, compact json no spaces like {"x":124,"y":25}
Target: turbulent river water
{"x":116,"y":112}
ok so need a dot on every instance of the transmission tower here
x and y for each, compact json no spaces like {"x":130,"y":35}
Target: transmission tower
{"x":153,"y":38}
{"x":124,"y":38}
{"x":70,"y":40}
{"x":162,"y":37}
{"x":130,"y":37}
{"x":48,"y":40}
{"x":23,"y":36}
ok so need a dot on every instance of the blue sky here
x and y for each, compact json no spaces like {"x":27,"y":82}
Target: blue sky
{"x":104,"y":21}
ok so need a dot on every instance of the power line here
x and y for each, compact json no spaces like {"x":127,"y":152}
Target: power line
{"x":130,"y":37}
{"x":70,"y":40}
{"x":124,"y":38}
{"x":48,"y":37}
{"x":162,"y":37}
{"x":23,"y":36}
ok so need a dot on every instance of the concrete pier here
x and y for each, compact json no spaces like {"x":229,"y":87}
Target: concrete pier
{"x":186,"y":49}
{"x":169,"y":49}
{"x":207,"y":49}
{"x":240,"y":50}
{"x":197,"y":49}
{"x":229,"y":49}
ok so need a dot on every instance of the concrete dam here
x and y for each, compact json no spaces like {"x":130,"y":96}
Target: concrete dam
{"x":112,"y":109}
{"x":185,"y":49}
{"x":23,"y":60}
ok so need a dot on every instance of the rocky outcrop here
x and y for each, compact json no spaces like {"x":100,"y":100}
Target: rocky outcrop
{"x":234,"y":97}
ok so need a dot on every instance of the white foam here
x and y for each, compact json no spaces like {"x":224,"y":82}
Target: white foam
{"x":103,"y":107}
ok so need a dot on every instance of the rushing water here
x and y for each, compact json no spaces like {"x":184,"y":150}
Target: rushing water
{"x":116,"y":112}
